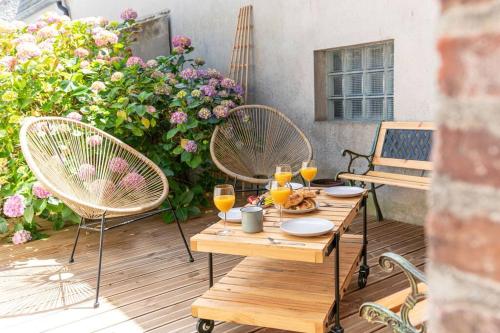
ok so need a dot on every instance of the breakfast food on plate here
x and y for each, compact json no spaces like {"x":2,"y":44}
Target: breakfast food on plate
{"x":300,"y":200}
{"x":306,"y":194}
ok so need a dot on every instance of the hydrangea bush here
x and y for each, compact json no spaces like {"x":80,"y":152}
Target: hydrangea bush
{"x":166,"y":108}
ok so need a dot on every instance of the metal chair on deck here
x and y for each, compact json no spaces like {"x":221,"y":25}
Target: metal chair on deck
{"x":96,"y":175}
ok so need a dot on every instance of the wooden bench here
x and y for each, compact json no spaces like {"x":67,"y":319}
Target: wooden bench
{"x":405,"y":310}
{"x":405,"y":145}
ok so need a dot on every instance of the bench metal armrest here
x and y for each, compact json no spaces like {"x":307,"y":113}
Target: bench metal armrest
{"x":377,"y":313}
{"x":353,"y":156}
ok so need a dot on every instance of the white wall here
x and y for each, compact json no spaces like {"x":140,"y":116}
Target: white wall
{"x":286,"y":32}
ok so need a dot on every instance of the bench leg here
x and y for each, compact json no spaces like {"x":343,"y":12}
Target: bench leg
{"x":380,"y":217}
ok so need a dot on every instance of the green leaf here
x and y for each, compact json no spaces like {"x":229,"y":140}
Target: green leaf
{"x":28,"y":214}
{"x":186,"y":197}
{"x":195,"y":161}
{"x":4,"y":227}
{"x":186,"y":156}
{"x":182,"y":213}
{"x":66,"y":212}
{"x":171,"y":133}
{"x":177,"y":150}
{"x":18,"y":226}
{"x":137,"y":131}
{"x":41,"y":207}
{"x":194,"y":211}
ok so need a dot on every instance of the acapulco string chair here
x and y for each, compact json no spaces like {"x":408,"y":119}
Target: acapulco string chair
{"x":96,"y":175}
{"x":253,"y":140}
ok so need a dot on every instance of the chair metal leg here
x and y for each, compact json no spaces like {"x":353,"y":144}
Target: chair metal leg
{"x":71,"y":259}
{"x":380,"y":217}
{"x":191,"y":259}
{"x":101,"y":241}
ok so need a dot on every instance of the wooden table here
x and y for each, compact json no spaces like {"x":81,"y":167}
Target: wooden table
{"x":292,"y":285}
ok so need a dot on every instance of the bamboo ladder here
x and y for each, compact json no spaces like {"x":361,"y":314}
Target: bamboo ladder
{"x":240,"y":57}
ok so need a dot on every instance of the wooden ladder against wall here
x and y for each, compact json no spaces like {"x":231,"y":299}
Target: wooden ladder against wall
{"x":240,"y":57}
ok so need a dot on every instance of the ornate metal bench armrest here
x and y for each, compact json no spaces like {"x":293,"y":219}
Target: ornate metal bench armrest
{"x":390,"y":260}
{"x":375,"y":313}
{"x":354,"y":156}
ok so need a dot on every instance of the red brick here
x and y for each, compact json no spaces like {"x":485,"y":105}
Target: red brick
{"x":467,"y":320}
{"x":471,"y":156}
{"x":468,"y":244}
{"x":447,"y":4}
{"x":469,"y":65}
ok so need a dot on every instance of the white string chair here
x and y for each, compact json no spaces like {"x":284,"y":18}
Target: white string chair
{"x":95,"y":174}
{"x":253,"y":140}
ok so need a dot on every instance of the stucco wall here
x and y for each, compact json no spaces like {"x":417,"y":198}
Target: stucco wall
{"x":286,"y":32}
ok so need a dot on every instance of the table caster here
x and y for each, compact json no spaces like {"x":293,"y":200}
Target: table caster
{"x":364,"y":271}
{"x":205,"y":326}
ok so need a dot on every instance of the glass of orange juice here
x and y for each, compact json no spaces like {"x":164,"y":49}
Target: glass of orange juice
{"x":283,"y":174}
{"x":280,"y":194}
{"x":224,"y":200}
{"x":309,"y":171}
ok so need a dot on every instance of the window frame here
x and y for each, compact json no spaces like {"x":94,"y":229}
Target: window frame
{"x":323,"y":79}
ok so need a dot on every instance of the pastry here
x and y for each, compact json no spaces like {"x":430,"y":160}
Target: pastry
{"x":293,"y":200}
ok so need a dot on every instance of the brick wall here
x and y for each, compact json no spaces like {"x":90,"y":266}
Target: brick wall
{"x":464,"y":221}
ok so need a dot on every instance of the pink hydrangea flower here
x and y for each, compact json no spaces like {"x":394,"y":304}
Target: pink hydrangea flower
{"x":24,"y":38}
{"x":103,"y":37}
{"x":128,"y":14}
{"x":152,"y":63}
{"x":39,"y":191}
{"x":14,"y":206}
{"x":215,"y":74}
{"x":220,"y":111}
{"x":204,"y":113}
{"x":189,"y":74}
{"x":81,"y":52}
{"x":135,"y":61}
{"x":178,"y":50}
{"x":228,"y":83}
{"x":74,"y":116}
{"x":27,"y":51}
{"x":8,"y":62}
{"x":118,"y":165}
{"x":191,"y":146}
{"x":33,"y":27}
{"x":84,"y":64}
{"x":133,"y":180}
{"x":47,"y":32}
{"x":115,"y":59}
{"x":178,"y":117}
{"x":181,"y":41}
{"x":102,"y":187}
{"x":208,"y":90}
{"x":213,"y":82}
{"x":21,"y":237}
{"x":97,"y":86}
{"x":150,"y":109}
{"x":157,"y":74}
{"x":94,"y":140}
{"x":86,"y":171}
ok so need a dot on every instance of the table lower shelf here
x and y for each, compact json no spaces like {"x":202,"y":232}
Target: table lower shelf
{"x":280,"y":294}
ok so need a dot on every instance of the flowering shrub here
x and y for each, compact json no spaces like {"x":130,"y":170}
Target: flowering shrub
{"x":165,"y":107}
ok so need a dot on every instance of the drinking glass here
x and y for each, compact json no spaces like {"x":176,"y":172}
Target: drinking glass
{"x":309,"y":171}
{"x":283,"y":174}
{"x":224,"y":200}
{"x":280,"y":194}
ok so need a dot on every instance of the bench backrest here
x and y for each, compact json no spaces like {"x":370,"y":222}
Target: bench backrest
{"x":404,"y":145}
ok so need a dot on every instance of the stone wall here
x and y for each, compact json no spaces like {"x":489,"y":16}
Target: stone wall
{"x":464,"y":221}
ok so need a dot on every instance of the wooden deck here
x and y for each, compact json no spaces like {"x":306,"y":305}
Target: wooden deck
{"x":148,"y":284}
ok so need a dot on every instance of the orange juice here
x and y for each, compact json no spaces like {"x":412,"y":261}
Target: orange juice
{"x":280,"y":195}
{"x":309,"y":173}
{"x":283,"y":177}
{"x":224,"y":202}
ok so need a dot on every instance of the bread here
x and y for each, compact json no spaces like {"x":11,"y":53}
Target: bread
{"x":306,"y":193}
{"x":293,"y":200}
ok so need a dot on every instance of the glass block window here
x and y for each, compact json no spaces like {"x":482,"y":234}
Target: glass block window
{"x":360,"y":82}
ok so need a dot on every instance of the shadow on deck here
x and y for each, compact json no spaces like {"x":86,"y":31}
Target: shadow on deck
{"x":148,"y":284}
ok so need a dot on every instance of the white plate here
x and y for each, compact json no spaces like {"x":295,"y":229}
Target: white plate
{"x":307,"y":226}
{"x":295,"y":211}
{"x":344,"y":191}
{"x":233,"y":215}
{"x":295,"y":186}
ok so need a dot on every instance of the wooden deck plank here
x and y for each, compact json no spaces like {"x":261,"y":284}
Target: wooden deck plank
{"x":149,"y":286}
